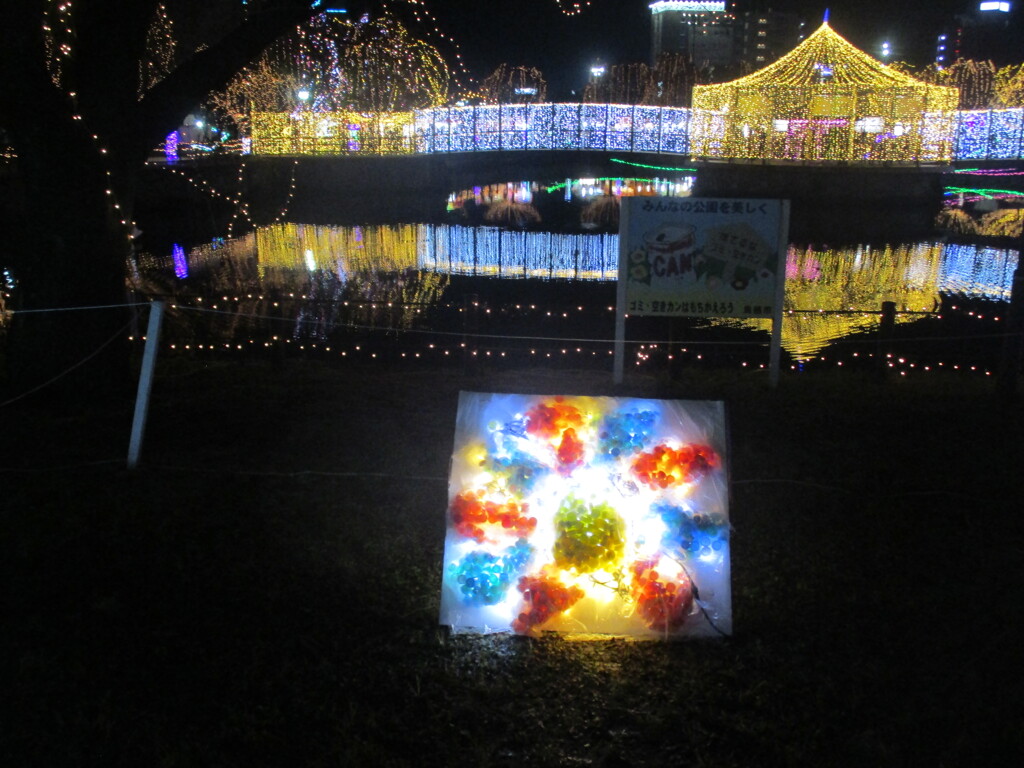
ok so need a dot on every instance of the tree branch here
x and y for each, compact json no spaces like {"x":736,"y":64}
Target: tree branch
{"x":167,"y":103}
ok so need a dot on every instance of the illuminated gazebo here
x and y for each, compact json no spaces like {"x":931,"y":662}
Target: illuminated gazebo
{"x":825,"y":101}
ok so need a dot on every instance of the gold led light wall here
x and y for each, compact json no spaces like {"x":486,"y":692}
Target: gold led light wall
{"x":331,"y":133}
{"x":824,"y":101}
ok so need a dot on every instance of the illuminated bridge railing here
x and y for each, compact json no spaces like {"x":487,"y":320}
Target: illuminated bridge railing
{"x":604,"y":127}
{"x":979,"y":135}
{"x":995,"y":134}
{"x":990,"y":134}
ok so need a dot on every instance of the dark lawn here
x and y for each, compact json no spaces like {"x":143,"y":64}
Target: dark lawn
{"x":264,"y":589}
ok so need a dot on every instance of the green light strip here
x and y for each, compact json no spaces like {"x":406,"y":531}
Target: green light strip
{"x":652,"y":167}
{"x":984,"y":192}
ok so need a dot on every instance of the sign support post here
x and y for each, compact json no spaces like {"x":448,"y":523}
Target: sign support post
{"x":775,"y":348}
{"x":619,"y":361}
{"x":156,"y":314}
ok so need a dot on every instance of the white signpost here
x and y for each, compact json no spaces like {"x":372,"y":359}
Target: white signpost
{"x":702,"y":257}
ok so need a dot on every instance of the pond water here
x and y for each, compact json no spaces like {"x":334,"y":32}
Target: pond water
{"x":491,"y":280}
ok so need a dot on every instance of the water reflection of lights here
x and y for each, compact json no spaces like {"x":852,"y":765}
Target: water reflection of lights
{"x":619,"y":187}
{"x":983,"y":211}
{"x":512,"y":204}
{"x":833,"y":293}
{"x":570,"y":189}
{"x":504,"y":253}
{"x":340,"y":272}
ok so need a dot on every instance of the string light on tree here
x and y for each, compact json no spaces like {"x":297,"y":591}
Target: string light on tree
{"x":160,"y":51}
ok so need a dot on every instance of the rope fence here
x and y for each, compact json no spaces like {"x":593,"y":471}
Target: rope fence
{"x":510,"y":337}
{"x":120,"y":332}
{"x":882,"y":346}
{"x":469,"y":336}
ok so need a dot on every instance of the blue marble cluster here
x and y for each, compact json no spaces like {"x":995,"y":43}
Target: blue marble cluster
{"x":625,"y":433}
{"x":484,"y":578}
{"x":693,"y":534}
{"x":520,"y":470}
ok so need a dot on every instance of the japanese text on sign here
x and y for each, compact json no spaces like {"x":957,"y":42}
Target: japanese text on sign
{"x":701,"y":257}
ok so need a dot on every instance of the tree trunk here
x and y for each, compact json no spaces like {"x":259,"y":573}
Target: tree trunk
{"x":81,"y":139}
{"x":67,"y":249}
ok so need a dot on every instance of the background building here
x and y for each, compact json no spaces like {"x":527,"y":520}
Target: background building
{"x":989,"y":30}
{"x":719,"y":38}
{"x":705,"y":30}
{"x":767,"y":35}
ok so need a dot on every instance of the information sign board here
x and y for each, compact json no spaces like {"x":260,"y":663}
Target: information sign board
{"x":701,"y":257}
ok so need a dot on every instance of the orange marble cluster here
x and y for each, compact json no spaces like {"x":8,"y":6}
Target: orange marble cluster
{"x":553,"y":418}
{"x":664,"y":466}
{"x":557,"y":420}
{"x":474,"y":517}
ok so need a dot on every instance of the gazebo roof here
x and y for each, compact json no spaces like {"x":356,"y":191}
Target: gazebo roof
{"x":826,"y":57}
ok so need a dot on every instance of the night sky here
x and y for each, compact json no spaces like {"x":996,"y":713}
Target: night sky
{"x":536,"y":33}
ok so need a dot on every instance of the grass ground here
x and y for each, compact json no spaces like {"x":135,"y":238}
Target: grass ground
{"x":264,"y":589}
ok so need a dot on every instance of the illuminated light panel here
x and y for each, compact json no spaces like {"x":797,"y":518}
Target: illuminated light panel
{"x":588,"y":515}
{"x":810,"y":105}
{"x":688,"y":6}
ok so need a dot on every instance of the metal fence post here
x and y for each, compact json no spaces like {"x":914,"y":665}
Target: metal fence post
{"x":156,"y":314}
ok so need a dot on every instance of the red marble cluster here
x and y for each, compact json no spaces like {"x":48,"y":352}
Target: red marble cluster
{"x":551,"y":419}
{"x":663,"y":465}
{"x":474,"y":517}
{"x":570,"y":452}
{"x":543,"y":597}
{"x":662,"y":604}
